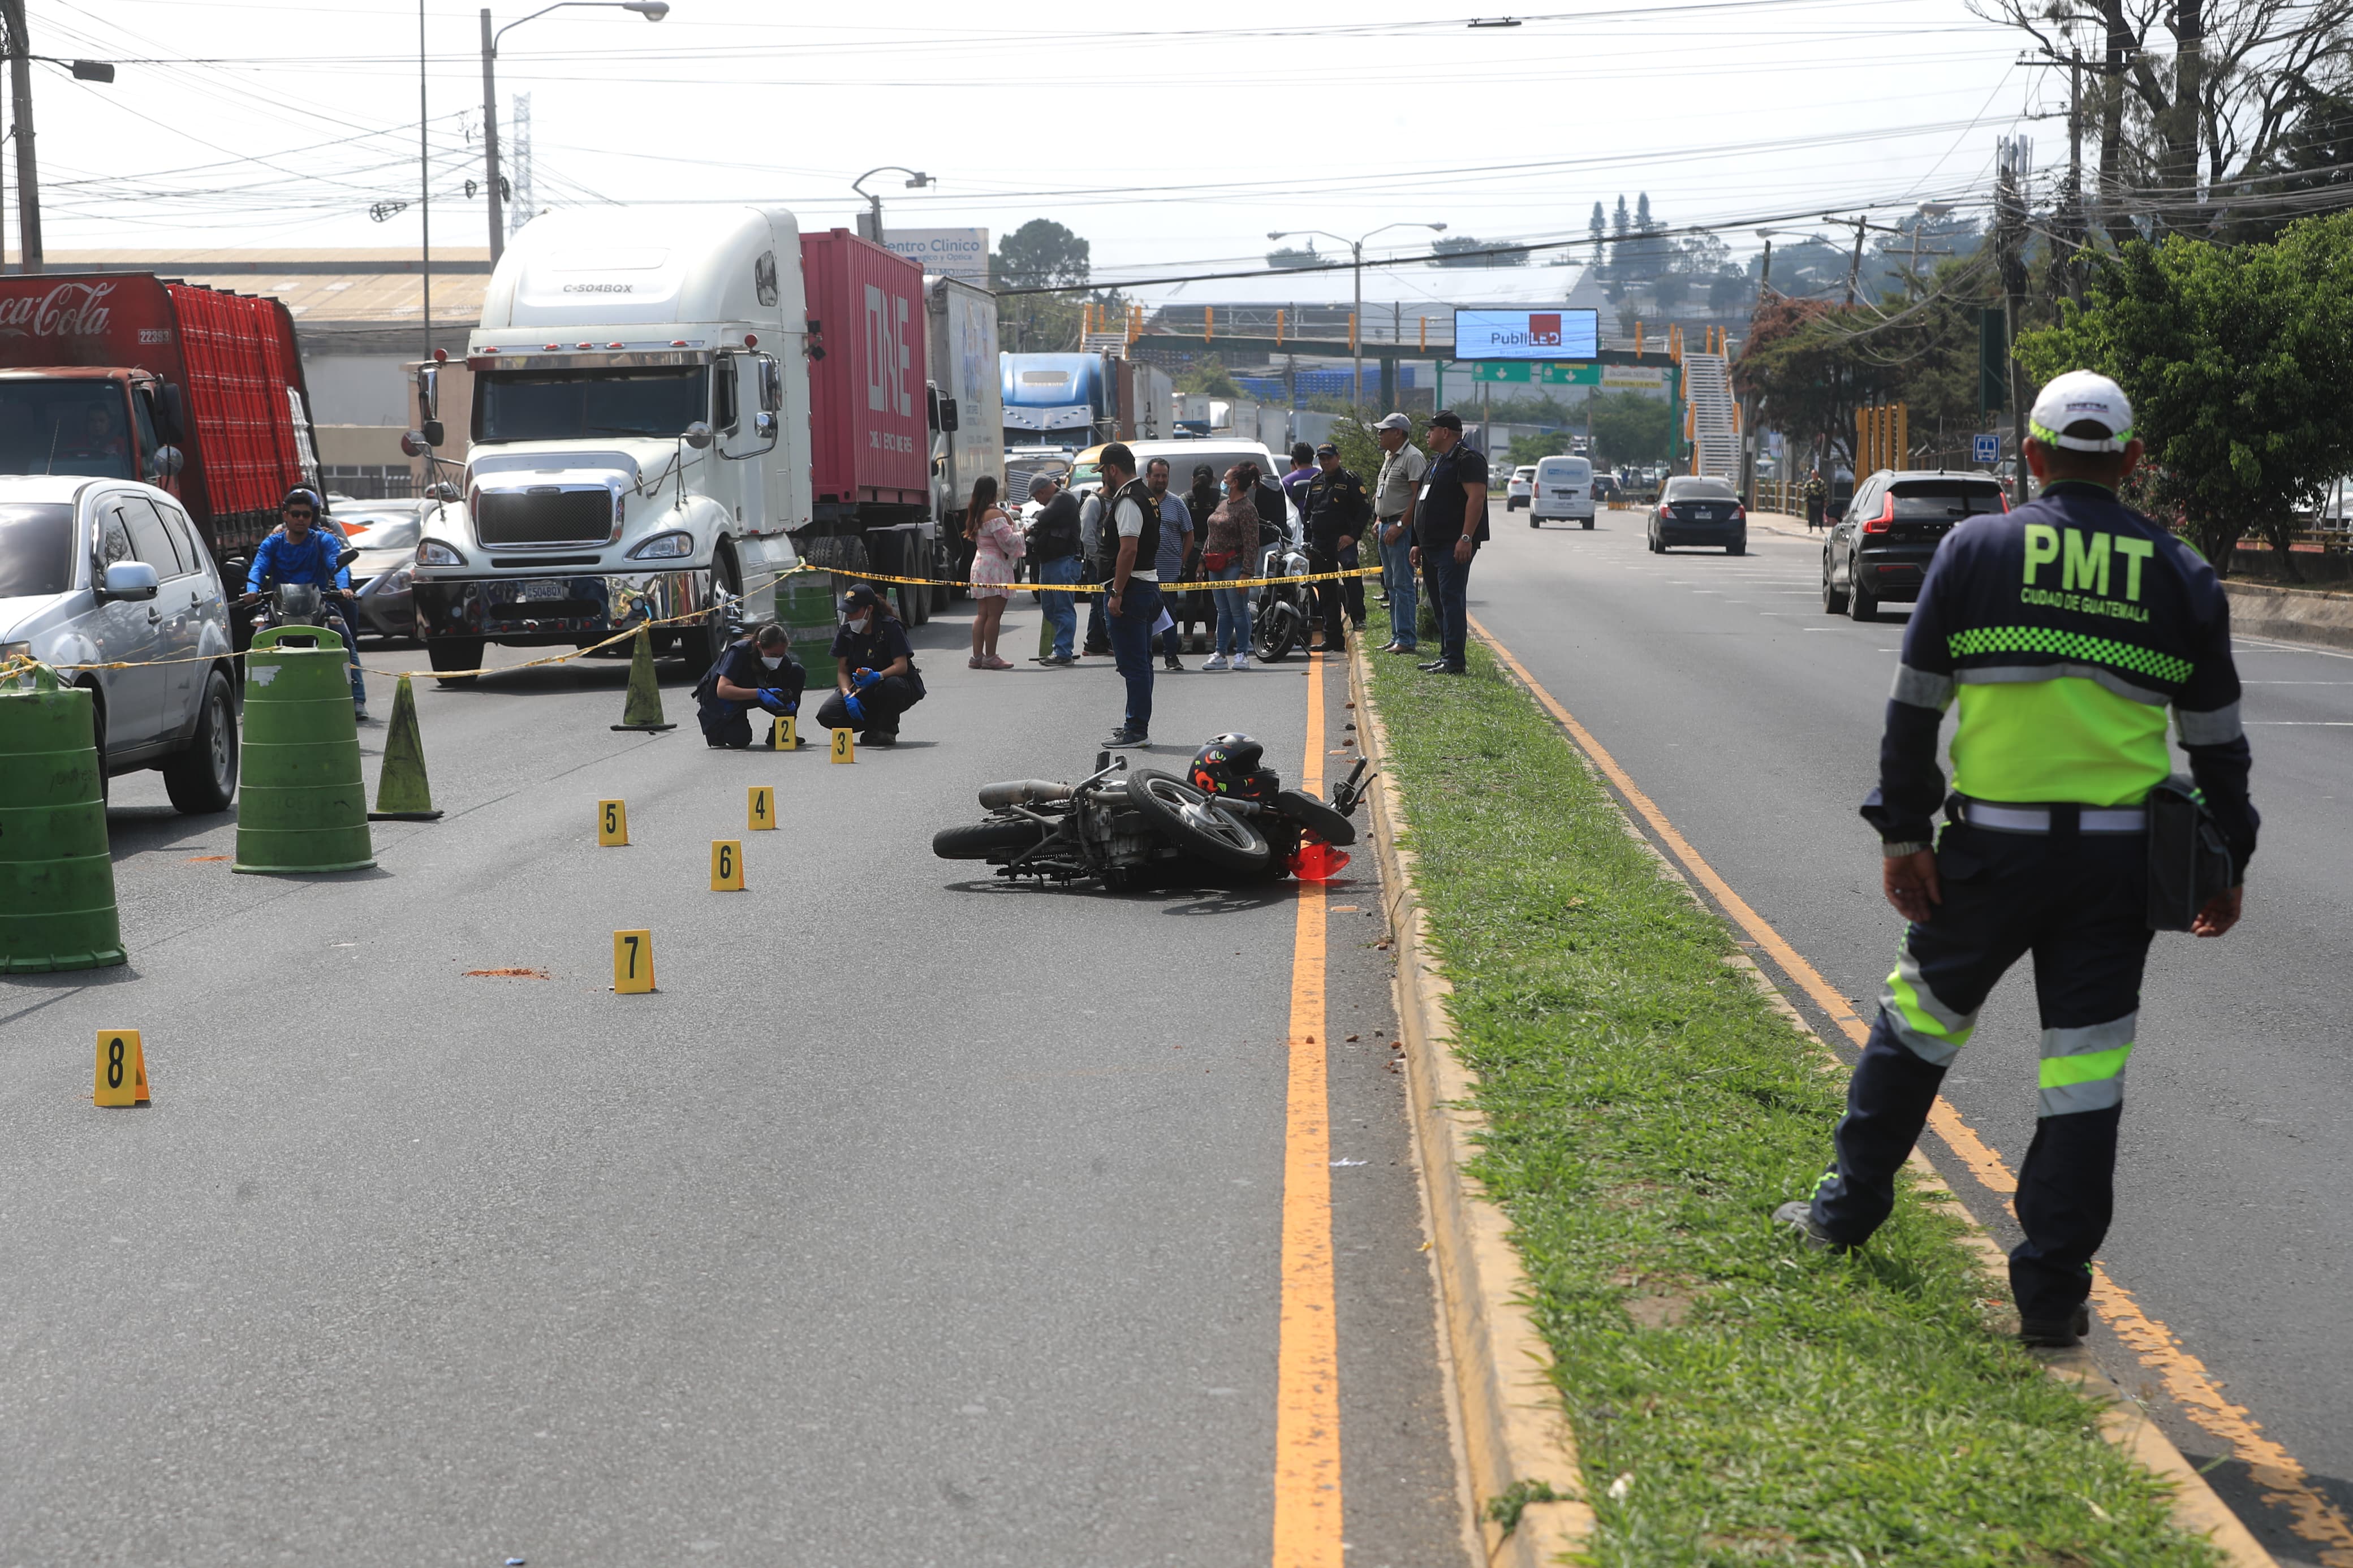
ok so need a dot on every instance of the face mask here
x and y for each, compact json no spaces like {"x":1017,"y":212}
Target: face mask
{"x":774,"y":663}
{"x":858,"y":623}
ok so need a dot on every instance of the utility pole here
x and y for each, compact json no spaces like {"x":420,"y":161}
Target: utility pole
{"x":490,"y":136}
{"x":20,"y":95}
{"x":425,"y":184}
{"x":2014,"y":154}
{"x":1854,"y":263}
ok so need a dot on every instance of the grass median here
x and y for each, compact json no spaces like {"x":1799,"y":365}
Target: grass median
{"x":1737,"y":1399}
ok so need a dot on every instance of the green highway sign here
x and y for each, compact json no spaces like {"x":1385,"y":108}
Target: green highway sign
{"x":1540,"y":373}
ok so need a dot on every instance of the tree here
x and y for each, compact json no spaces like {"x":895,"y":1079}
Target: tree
{"x":2230,"y":86}
{"x":1292,"y":255}
{"x":2239,"y":362}
{"x":2312,"y":168}
{"x":1597,"y":227}
{"x":1800,"y":363}
{"x":1632,"y":427}
{"x":1042,"y":254}
{"x":1459,"y":250}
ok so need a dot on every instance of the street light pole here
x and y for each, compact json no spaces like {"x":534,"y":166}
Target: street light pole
{"x":651,"y":10}
{"x":1356,"y":265}
{"x":916,"y":181}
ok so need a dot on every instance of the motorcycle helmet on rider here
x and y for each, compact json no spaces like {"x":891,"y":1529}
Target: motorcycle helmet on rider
{"x":1229,"y":765}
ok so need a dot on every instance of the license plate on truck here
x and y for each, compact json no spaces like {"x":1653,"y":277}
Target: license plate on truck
{"x":549,"y":590}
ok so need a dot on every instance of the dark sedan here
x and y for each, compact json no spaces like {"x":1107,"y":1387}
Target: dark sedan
{"x":1881,"y":549}
{"x":1697,"y":511}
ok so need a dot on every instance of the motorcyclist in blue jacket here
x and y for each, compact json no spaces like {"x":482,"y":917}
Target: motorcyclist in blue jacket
{"x":306,"y":552}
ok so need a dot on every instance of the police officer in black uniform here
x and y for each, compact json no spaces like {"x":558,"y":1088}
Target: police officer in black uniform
{"x":1338,"y":511}
{"x":757,"y":672}
{"x":875,"y":679}
{"x":2062,"y":632}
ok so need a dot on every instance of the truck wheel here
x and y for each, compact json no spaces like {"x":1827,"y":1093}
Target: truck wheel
{"x":202,"y":779}
{"x":913,"y":605}
{"x":455,"y":654}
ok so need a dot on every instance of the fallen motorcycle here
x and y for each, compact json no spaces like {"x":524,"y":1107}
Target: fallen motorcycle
{"x":1232,"y":819}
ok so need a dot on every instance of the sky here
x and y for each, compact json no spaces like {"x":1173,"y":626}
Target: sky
{"x":1173,"y":139}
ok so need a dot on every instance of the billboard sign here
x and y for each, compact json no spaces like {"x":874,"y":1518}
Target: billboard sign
{"x":948,"y":252}
{"x":1540,"y":334}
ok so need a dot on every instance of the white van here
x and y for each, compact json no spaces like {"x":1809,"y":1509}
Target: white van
{"x":1564,"y":490}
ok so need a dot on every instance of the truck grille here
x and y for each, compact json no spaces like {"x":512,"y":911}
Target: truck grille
{"x":544,"y":515}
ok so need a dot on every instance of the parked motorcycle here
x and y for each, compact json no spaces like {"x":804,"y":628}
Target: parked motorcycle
{"x":1120,"y":829}
{"x":1283,"y":611}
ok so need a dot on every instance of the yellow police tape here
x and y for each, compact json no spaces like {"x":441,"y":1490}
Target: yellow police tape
{"x":14,"y":663}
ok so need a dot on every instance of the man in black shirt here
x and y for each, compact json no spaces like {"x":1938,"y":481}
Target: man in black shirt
{"x":1450,"y":525}
{"x":1338,"y":511}
{"x":757,"y":672}
{"x":875,"y":679}
{"x":1054,"y":548}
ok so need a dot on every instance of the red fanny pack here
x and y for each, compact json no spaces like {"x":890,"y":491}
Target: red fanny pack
{"x":1216,"y":559}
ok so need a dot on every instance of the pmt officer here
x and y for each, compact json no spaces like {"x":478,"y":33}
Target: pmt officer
{"x":2062,"y":632}
{"x":1338,"y":511}
{"x":875,"y":679}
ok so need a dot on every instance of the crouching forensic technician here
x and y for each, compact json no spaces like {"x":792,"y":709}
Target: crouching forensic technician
{"x":759,"y":672}
{"x":875,"y":679}
{"x":2060,"y":633}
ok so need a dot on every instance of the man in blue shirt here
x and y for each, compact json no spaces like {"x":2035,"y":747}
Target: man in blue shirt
{"x":306,"y":553}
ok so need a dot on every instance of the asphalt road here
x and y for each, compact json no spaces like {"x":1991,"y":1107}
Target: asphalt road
{"x":1752,"y":719}
{"x":915,"y":1220}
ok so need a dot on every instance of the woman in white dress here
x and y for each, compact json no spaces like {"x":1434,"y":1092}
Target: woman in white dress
{"x":996,"y":546}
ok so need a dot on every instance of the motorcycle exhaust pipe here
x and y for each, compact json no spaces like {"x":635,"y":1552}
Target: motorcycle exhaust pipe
{"x":1021,"y":791}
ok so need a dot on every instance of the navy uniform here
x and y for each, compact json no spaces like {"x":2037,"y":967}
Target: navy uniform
{"x":869,"y":642}
{"x":2062,"y":632}
{"x":728,"y":723}
{"x":1336,"y":507}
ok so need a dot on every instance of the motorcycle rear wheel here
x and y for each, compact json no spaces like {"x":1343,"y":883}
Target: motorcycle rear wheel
{"x":983,"y":840}
{"x":1195,"y":823}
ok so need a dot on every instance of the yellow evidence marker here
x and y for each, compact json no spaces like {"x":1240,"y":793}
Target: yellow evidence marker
{"x":726,"y":865}
{"x":845,"y":747}
{"x":122,"y":1068}
{"x":633,"y":961}
{"x":784,"y":735}
{"x":760,"y":810}
{"x":612,"y":823}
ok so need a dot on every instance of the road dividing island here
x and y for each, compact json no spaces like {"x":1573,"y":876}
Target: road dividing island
{"x":1610,"y":1099}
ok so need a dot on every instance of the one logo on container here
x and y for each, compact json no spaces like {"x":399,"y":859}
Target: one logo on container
{"x":889,"y":356}
{"x":68,"y":311}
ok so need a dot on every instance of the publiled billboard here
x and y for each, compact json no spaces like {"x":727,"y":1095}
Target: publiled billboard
{"x":1563,"y":334}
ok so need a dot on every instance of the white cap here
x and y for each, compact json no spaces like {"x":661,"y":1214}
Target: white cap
{"x":2076,"y":396}
{"x":1394,"y":422}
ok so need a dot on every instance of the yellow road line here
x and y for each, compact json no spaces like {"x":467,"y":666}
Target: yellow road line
{"x":2285,"y":1482}
{"x":1307,"y":1357}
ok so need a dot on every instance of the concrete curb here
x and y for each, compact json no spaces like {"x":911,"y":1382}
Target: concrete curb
{"x":1513,"y":1427}
{"x":1510,"y":1417}
{"x":2292,"y":615}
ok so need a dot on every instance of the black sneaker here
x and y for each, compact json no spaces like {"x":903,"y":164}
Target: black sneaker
{"x":1432,"y":665}
{"x":2056,"y":1333}
{"x":1125,"y":737}
{"x":880,"y":738}
{"x":1172,"y":666}
{"x":1798,"y":1215}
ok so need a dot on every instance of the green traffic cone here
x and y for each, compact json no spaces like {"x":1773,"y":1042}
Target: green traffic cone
{"x":402,"y":791}
{"x":301,"y":805}
{"x":643,"y":708}
{"x":57,"y":876}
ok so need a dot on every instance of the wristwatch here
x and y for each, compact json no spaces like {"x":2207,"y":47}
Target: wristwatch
{"x":1896,"y":849}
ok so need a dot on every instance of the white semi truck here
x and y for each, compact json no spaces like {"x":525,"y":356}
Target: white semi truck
{"x":673,"y":407}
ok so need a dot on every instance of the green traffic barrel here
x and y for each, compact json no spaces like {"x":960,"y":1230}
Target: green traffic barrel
{"x":300,"y":803}
{"x":57,"y":878}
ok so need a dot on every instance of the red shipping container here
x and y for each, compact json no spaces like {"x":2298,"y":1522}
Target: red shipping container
{"x":869,"y":424}
{"x":234,"y":357}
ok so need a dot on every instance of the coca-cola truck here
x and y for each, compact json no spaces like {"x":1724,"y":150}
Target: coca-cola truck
{"x":196,"y":390}
{"x":672,"y":408}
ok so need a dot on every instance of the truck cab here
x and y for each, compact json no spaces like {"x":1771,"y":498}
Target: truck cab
{"x":640,"y":438}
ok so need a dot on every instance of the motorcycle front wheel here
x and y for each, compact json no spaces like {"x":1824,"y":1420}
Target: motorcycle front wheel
{"x":1277,"y":630}
{"x":1197,"y":825}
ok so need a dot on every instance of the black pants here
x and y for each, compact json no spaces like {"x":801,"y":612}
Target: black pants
{"x":881,"y":703}
{"x":1332,"y":607}
{"x":2077,"y":902}
{"x":1098,"y":640}
{"x":729,"y":724}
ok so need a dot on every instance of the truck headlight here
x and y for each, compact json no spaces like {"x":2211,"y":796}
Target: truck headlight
{"x":433,"y":552}
{"x":671,"y":546}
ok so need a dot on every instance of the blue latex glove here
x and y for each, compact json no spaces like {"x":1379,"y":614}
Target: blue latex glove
{"x":850,"y":705}
{"x":864,"y":678}
{"x":777,"y":699}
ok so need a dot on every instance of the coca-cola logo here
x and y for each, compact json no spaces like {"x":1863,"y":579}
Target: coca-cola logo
{"x":68,"y":311}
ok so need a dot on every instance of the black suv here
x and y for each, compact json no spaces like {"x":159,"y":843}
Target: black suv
{"x":1880,"y":548}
